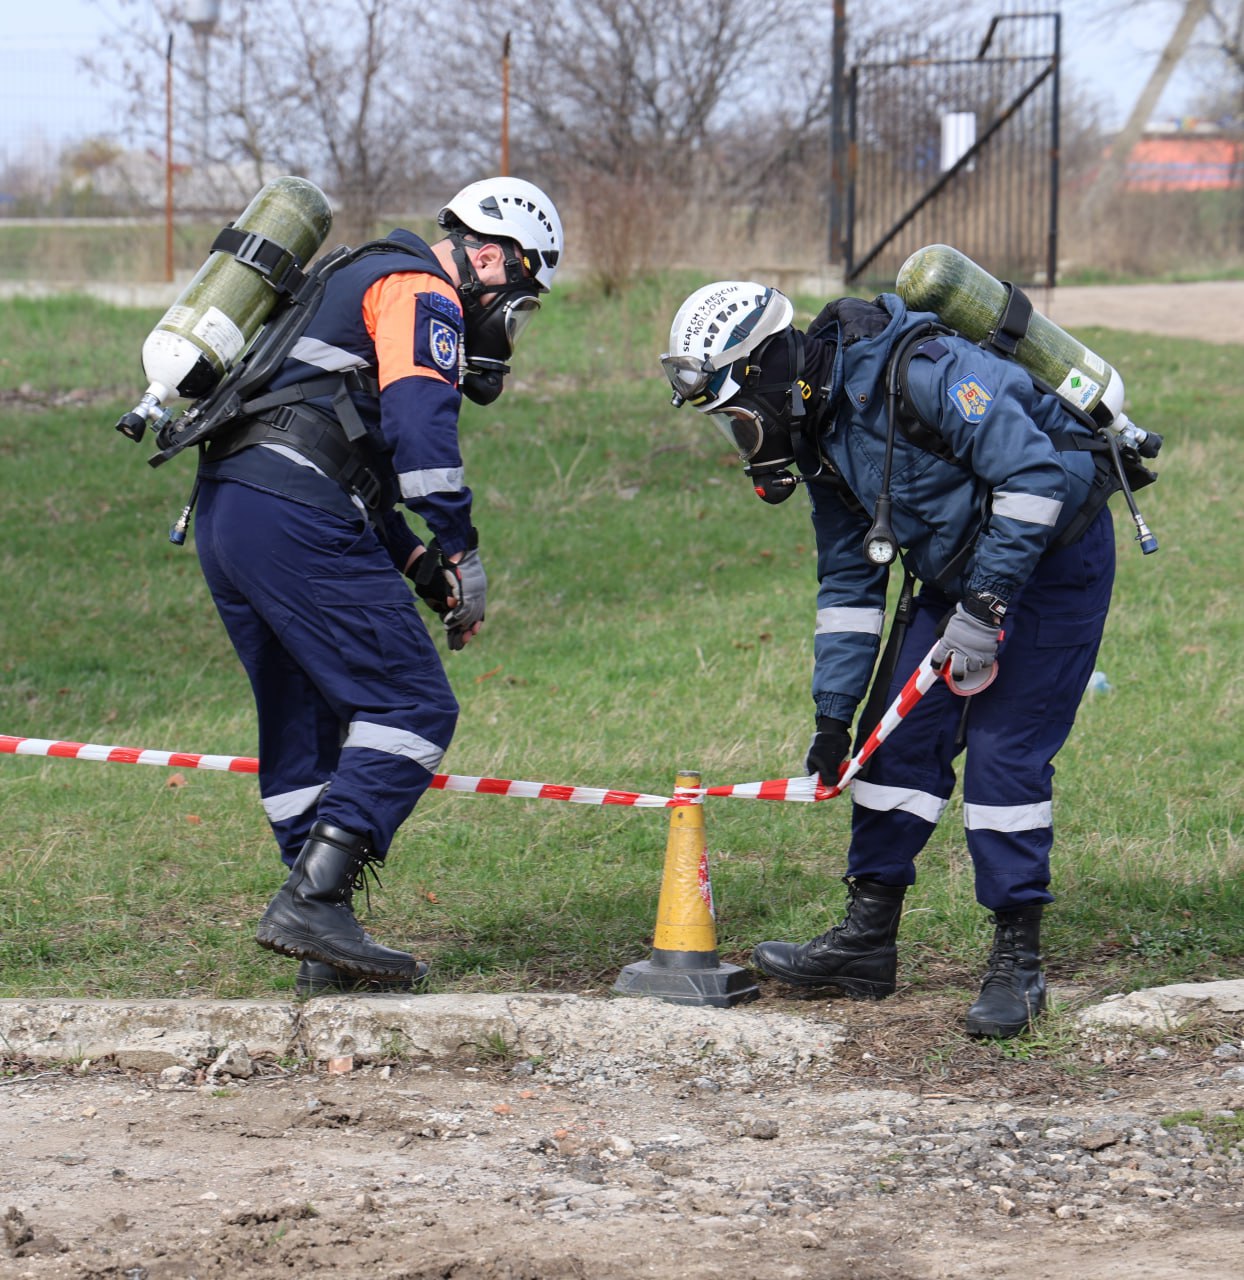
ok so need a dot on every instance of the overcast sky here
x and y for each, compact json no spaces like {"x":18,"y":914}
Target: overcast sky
{"x":43,"y":94}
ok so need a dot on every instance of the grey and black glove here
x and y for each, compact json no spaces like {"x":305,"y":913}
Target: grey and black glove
{"x":830,"y":746}
{"x":438,"y":579}
{"x":471,"y":592}
{"x":970,"y":645}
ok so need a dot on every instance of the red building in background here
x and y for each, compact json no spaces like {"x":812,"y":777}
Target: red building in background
{"x":1182,"y":157}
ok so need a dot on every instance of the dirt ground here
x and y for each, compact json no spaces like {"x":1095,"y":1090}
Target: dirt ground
{"x":913,"y":1154}
{"x":1211,"y":310}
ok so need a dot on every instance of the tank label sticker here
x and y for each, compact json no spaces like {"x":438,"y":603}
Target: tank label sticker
{"x":971,"y":397}
{"x":443,"y":344}
{"x":1078,"y":388}
{"x":1094,"y":364}
{"x":218,"y":332}
{"x":178,"y":317}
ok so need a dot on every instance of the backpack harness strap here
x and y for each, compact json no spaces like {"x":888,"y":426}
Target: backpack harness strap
{"x":1006,"y":336}
{"x":340,"y":446}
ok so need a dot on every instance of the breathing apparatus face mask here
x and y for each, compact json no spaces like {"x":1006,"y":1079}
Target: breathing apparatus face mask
{"x":492,"y":332}
{"x":758,"y":421}
{"x":493,"y":327}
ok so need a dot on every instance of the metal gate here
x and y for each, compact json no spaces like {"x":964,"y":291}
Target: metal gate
{"x":957,"y":150}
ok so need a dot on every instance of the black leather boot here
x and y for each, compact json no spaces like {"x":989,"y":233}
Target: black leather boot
{"x":315,"y":978}
{"x":1013,"y":992}
{"x":859,"y":955}
{"x":312,"y":916}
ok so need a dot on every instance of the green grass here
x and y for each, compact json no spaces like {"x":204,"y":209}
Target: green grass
{"x":1222,"y":1131}
{"x":646,"y":615}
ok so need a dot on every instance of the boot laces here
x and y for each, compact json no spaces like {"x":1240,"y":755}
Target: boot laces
{"x":1005,"y":955}
{"x":830,"y":937}
{"x":364,"y":867}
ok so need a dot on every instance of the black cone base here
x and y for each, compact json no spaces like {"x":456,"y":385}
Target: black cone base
{"x":717,"y":985}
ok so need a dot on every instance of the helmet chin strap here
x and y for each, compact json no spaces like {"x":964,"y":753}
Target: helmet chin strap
{"x":772,"y":478}
{"x":471,"y":287}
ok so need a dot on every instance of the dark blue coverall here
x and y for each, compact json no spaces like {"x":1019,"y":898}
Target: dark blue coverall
{"x":1010,"y":494}
{"x":355,"y":711}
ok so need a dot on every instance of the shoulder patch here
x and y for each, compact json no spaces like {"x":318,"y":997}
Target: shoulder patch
{"x":442,"y":344}
{"x":446,"y":306}
{"x":970,"y":397}
{"x":438,"y":336}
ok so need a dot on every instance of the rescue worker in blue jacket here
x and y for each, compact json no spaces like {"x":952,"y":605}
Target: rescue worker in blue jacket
{"x":304,"y":551}
{"x":994,"y":497}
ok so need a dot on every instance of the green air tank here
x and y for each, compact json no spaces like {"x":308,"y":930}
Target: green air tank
{"x":965,"y":296}
{"x":200,"y":337}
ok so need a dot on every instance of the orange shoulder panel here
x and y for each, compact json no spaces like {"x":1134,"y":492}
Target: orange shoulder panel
{"x":389,"y":314}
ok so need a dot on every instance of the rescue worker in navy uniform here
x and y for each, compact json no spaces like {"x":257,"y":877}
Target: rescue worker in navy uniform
{"x":993,"y":512}
{"x":304,"y":550}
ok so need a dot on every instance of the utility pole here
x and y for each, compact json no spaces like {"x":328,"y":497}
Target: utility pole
{"x":168,"y":161}
{"x":505,"y":106}
{"x":837,"y":137}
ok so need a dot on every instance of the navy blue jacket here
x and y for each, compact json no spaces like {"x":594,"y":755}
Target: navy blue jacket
{"x":1010,"y":489}
{"x":397,"y":316}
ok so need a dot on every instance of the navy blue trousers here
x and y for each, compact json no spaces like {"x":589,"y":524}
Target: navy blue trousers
{"x":355,"y":710}
{"x":1011,"y":735}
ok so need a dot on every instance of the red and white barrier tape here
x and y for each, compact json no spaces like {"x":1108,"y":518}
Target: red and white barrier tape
{"x":792,"y":789}
{"x":550,"y":791}
{"x":124,"y":755}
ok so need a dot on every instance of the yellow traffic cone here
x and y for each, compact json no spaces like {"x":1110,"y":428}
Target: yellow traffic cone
{"x":684,"y":968}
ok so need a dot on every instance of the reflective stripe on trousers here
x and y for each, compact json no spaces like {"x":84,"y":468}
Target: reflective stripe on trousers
{"x":354,"y":708}
{"x":1013,"y":731}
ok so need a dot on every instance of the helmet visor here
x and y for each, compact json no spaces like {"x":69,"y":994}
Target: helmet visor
{"x":518,"y":313}
{"x":742,"y":427}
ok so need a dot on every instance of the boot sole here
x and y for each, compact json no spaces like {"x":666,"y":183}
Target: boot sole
{"x":853,"y":988}
{"x":296,"y":946}
{"x":996,"y":1030}
{"x":377,"y":987}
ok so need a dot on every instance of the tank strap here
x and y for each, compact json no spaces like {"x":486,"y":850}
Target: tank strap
{"x":1012,"y":326}
{"x":907,"y":417}
{"x":276,"y":264}
{"x":337,"y":386}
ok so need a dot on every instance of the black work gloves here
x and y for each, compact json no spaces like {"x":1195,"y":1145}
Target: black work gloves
{"x":438,"y":580}
{"x":830,"y":746}
{"x":435,"y":579}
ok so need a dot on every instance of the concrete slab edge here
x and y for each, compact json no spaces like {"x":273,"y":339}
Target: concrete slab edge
{"x":151,"y":1035}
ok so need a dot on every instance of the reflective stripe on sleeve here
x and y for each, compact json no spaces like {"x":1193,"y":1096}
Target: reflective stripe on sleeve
{"x":1008,"y":817}
{"x":418,"y":484}
{"x":324,"y":355}
{"x":920,"y":804}
{"x":292,"y":803}
{"x":1027,"y":507}
{"x":839,"y":619}
{"x":395,"y":742}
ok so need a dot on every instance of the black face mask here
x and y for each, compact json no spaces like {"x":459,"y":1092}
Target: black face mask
{"x":492,"y":328}
{"x":491,"y":332}
{"x":765,"y":421}
{"x":763,"y":441}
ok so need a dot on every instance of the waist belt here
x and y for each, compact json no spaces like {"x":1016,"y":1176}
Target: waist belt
{"x":317,"y":438}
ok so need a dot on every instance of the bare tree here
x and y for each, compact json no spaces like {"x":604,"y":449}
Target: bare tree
{"x":1111,"y":174}
{"x":331,"y":91}
{"x":622,"y":105}
{"x":1226,"y":27}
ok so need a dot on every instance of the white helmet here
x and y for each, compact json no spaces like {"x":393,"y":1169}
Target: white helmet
{"x":509,"y":208}
{"x":716,"y":326}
